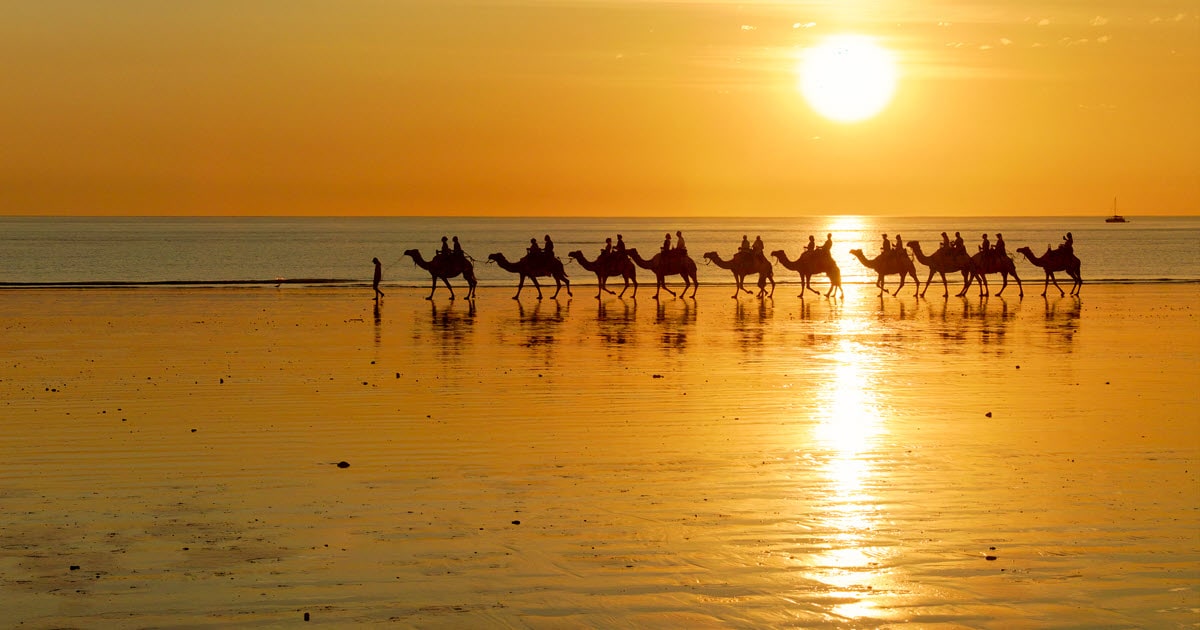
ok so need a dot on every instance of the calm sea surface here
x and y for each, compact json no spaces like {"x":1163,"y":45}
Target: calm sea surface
{"x":338,"y":251}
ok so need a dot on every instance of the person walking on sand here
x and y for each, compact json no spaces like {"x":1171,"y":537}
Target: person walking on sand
{"x":378,"y":277}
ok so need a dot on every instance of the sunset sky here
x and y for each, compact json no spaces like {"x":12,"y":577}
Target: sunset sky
{"x":592,"y":107}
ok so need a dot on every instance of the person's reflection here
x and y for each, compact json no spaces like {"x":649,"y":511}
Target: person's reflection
{"x":378,"y":324}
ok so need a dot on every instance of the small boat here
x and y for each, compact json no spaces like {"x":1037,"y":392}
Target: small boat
{"x":1115,"y":218}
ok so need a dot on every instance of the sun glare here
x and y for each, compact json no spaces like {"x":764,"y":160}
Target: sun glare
{"x":847,"y":78}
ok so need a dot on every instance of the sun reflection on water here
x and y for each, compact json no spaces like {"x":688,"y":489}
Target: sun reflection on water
{"x":848,"y":429}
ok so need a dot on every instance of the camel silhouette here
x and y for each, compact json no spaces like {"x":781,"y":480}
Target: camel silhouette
{"x":676,"y":264}
{"x":610,"y":266}
{"x":443,"y":267}
{"x":888,"y":264}
{"x":533,"y":269}
{"x":811,"y":263}
{"x":1003,"y":265}
{"x":1056,"y":260}
{"x":746,"y":264}
{"x":945,"y":260}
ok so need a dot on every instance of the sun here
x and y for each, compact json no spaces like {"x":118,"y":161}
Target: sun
{"x":847,"y":78}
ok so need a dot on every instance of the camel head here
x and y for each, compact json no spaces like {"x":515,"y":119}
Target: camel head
{"x":576,"y":254}
{"x":497,"y":257}
{"x":779,"y":254}
{"x":1025,"y":250}
{"x":858,"y":253}
{"x":914,"y":245}
{"x":711,"y":256}
{"x":412,"y":252}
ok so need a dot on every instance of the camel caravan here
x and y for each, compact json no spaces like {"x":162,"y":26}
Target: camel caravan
{"x":618,"y":261}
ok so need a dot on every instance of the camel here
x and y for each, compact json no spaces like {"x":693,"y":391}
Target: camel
{"x":746,"y":264}
{"x":811,"y":263}
{"x":888,"y":264}
{"x":673,"y":264}
{"x":533,"y":269}
{"x":1003,"y":265}
{"x":609,"y":266}
{"x":444,"y":267}
{"x":1056,"y":260}
{"x":945,"y":260}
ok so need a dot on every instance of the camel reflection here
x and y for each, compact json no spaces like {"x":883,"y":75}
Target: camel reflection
{"x":540,"y":325}
{"x":617,"y":326}
{"x":452,"y":324}
{"x":1062,"y":319}
{"x":846,"y":435}
{"x":675,"y":319}
{"x":753,"y":319}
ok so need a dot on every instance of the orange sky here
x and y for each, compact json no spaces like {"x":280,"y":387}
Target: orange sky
{"x":591,"y":107}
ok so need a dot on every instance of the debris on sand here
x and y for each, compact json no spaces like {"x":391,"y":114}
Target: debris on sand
{"x":343,"y":464}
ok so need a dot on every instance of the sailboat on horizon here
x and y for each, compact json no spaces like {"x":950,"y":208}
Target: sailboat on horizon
{"x":1115,"y":218}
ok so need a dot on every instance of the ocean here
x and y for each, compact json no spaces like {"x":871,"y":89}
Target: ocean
{"x":337,"y":251}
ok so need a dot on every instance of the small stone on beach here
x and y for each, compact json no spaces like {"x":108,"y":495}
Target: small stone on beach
{"x":516,"y":522}
{"x":343,"y":464}
{"x":988,"y":414}
{"x":989,"y":558}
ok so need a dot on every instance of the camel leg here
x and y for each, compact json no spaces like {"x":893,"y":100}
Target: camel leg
{"x":567,"y":282}
{"x":879,"y":282}
{"x":903,"y":276}
{"x":695,"y":284}
{"x":432,"y":288}
{"x":536,"y":285}
{"x":1055,"y":281}
{"x":918,"y":282}
{"x":557,"y":288}
{"x":446,"y":281}
{"x":520,"y":285}
{"x":1004,"y":277}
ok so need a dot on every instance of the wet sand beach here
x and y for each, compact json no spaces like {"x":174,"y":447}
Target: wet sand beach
{"x":171,"y":459}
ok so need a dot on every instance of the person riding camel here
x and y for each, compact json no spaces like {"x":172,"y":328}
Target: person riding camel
{"x":666,"y":246}
{"x":608,"y":248}
{"x":533,"y":251}
{"x":548,"y":248}
{"x":457,"y":250}
{"x":679,"y":246}
{"x":619,"y":248}
{"x":1068,"y":244}
{"x":886,"y":247}
{"x":898,"y":248}
{"x":812,"y":243}
{"x":945,"y":241}
{"x":998,"y":250}
{"x":759,"y":248}
{"x":959,"y":245}
{"x":745,"y":246}
{"x":986,"y":248}
{"x":828,"y":244}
